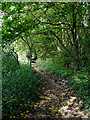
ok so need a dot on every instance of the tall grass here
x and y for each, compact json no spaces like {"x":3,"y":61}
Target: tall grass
{"x":19,"y":86}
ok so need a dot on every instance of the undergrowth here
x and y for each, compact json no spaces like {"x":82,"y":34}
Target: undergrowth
{"x":19,"y":87}
{"x":76,"y":79}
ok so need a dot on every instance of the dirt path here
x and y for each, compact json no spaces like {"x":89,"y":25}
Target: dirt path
{"x":56,"y":100}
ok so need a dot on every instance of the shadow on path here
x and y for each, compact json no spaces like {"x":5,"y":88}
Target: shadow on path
{"x":56,"y":100}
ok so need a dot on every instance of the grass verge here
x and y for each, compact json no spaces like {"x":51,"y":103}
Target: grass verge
{"x":20,"y":87}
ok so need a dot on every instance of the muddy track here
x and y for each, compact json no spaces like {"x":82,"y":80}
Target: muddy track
{"x":56,"y":100}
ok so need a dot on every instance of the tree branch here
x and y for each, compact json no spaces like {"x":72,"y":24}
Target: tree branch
{"x":61,"y":43}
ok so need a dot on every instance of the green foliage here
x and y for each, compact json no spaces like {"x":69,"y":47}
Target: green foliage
{"x":62,"y":58}
{"x":55,"y":32}
{"x":53,"y":67}
{"x":8,"y":63}
{"x":54,"y":26}
{"x":20,"y":87}
{"x":77,"y":80}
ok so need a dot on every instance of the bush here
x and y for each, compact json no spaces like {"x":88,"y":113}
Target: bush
{"x":79,"y":82}
{"x":20,"y":87}
{"x":8,"y":63}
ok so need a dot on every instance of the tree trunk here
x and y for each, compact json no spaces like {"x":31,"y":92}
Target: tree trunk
{"x":30,"y":57}
{"x":74,"y":34}
{"x":16,"y":58}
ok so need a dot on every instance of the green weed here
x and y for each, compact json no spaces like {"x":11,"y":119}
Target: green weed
{"x":19,"y":88}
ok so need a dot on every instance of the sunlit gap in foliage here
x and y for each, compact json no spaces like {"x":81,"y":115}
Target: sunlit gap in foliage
{"x":22,"y":58}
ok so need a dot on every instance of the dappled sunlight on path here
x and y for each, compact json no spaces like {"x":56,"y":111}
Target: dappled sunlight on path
{"x":56,"y":100}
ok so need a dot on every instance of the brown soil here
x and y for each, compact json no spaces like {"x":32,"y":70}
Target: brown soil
{"x":56,"y":100}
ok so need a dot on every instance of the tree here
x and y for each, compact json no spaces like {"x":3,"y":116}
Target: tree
{"x":57,"y":25}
